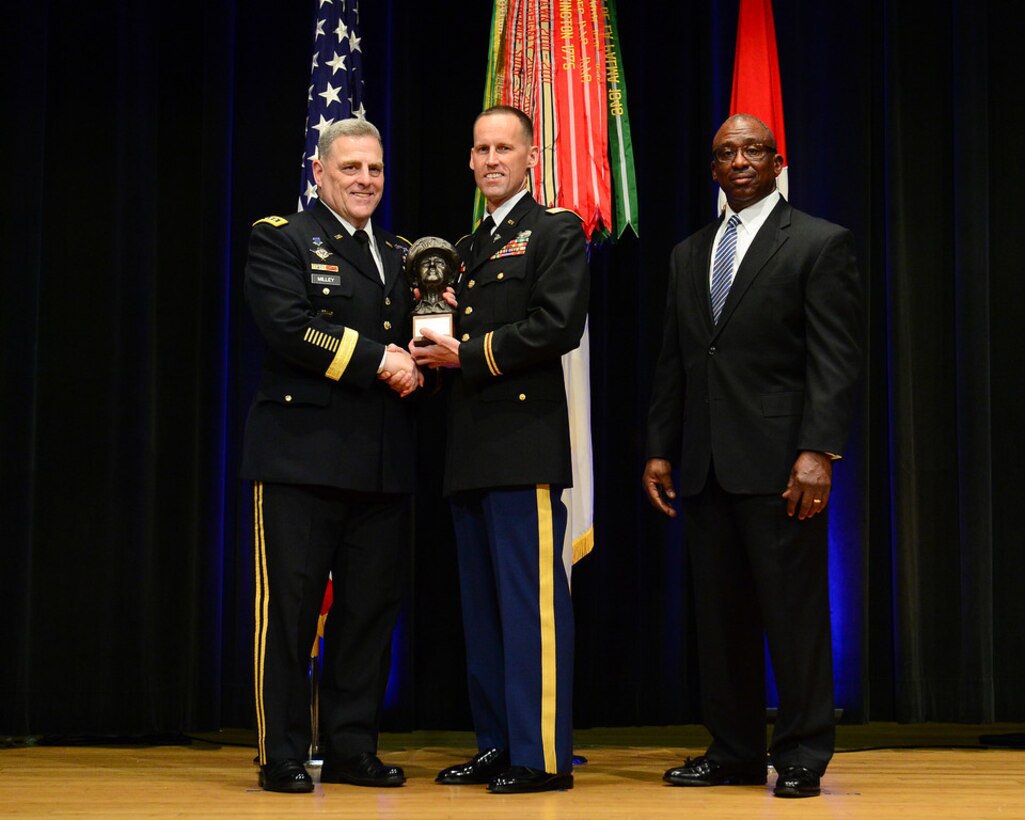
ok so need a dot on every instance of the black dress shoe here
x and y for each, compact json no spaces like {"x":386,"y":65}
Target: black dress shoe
{"x":365,"y":769}
{"x":796,"y":781}
{"x":521,"y":780}
{"x":700,"y":771}
{"x":479,"y":769}
{"x":285,"y":776}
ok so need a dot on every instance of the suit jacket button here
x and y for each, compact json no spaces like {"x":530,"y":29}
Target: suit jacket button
{"x":711,"y":350}
{"x":500,"y":276}
{"x":288,"y":398}
{"x":471,"y":283}
{"x":523,"y":396}
{"x":465,"y":337}
{"x":326,"y":291}
{"x":387,"y":325}
{"x":469,"y":310}
{"x":387,"y":300}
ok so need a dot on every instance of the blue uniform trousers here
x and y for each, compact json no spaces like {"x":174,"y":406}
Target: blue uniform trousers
{"x":518,"y":621}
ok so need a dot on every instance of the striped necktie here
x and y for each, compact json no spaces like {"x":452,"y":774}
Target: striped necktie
{"x":722,"y":267}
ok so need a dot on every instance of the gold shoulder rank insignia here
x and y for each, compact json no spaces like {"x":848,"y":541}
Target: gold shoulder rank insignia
{"x":276,"y":221}
{"x":564,"y":211}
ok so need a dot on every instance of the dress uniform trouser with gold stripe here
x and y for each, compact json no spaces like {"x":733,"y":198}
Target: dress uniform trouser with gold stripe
{"x":518,"y":621}
{"x":302,"y":534}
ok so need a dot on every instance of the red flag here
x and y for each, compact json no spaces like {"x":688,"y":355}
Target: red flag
{"x":756,"y":84}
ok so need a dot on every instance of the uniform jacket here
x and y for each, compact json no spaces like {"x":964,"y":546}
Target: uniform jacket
{"x":522,"y":305}
{"x":320,"y":415}
{"x":777,"y":374}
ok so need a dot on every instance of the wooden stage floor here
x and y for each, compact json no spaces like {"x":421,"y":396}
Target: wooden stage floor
{"x":880,"y":771}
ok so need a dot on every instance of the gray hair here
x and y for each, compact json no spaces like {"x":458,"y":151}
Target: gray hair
{"x":353,"y":127}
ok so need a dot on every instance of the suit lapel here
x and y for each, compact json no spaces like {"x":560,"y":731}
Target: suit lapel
{"x":770,"y":238}
{"x":339,"y":241}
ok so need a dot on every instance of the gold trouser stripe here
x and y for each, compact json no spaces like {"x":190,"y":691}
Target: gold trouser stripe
{"x":489,"y":354}
{"x":262,"y":598}
{"x":546,"y":606}
{"x":344,"y":354}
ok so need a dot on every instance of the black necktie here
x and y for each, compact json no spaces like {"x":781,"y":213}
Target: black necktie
{"x":481,"y":238}
{"x":364,"y":241}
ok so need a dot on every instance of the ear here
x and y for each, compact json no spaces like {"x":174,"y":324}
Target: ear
{"x":533,"y":156}
{"x":777,"y":164}
{"x":318,"y":171}
{"x":715,"y":172}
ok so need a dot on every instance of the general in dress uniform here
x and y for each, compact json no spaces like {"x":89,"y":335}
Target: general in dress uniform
{"x":329,"y":446}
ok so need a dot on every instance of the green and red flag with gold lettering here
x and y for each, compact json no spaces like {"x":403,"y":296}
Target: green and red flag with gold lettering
{"x":558,"y":61}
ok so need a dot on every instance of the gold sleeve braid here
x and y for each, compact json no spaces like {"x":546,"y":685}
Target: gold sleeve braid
{"x":489,"y":354}
{"x":342,"y":348}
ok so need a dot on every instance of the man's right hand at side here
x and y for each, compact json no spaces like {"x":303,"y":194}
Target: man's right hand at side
{"x":658,"y":485}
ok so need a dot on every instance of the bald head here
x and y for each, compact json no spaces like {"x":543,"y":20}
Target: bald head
{"x":744,"y":160}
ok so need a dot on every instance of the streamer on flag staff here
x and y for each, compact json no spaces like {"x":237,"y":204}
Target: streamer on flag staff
{"x":559,"y":62}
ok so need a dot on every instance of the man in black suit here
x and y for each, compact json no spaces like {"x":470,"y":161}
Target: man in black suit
{"x":329,"y":446}
{"x":522,"y":302}
{"x":752,"y":401}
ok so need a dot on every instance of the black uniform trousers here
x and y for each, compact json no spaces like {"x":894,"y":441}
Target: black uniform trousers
{"x":760,"y":574}
{"x":518,"y":622}
{"x":303,"y":533}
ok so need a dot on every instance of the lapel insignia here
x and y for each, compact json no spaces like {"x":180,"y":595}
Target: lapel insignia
{"x":515,"y":247}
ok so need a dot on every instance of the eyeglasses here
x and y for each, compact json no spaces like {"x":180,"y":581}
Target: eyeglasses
{"x":753,"y":152}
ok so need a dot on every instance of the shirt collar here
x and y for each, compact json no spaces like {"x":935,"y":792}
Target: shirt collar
{"x":754,"y":215}
{"x":503,"y":210}
{"x":349,"y":227}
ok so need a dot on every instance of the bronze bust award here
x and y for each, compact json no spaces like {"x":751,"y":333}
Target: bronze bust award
{"x":432,"y":265}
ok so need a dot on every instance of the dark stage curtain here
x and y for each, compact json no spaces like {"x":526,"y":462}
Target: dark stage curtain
{"x":142,"y":140}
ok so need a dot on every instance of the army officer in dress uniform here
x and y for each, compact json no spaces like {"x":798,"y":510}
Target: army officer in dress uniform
{"x":329,"y":446}
{"x":522,"y":302}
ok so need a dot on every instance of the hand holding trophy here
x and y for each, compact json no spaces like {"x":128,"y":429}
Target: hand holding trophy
{"x":431,"y":266}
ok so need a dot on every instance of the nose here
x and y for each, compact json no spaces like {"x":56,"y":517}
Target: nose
{"x":492,"y":158}
{"x":740,"y":160}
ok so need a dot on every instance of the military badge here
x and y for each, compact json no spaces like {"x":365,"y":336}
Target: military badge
{"x":320,"y":250}
{"x":515,"y":247}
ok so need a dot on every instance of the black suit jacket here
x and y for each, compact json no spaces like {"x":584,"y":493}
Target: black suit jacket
{"x":320,"y":415}
{"x":777,"y":374}
{"x":522,"y":305}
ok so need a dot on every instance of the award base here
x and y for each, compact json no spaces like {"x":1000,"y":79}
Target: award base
{"x":440,"y":323}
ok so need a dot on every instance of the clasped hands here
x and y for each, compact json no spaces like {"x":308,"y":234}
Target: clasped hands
{"x":400,"y":371}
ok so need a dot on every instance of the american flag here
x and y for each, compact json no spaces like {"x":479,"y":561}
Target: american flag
{"x":336,"y":80}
